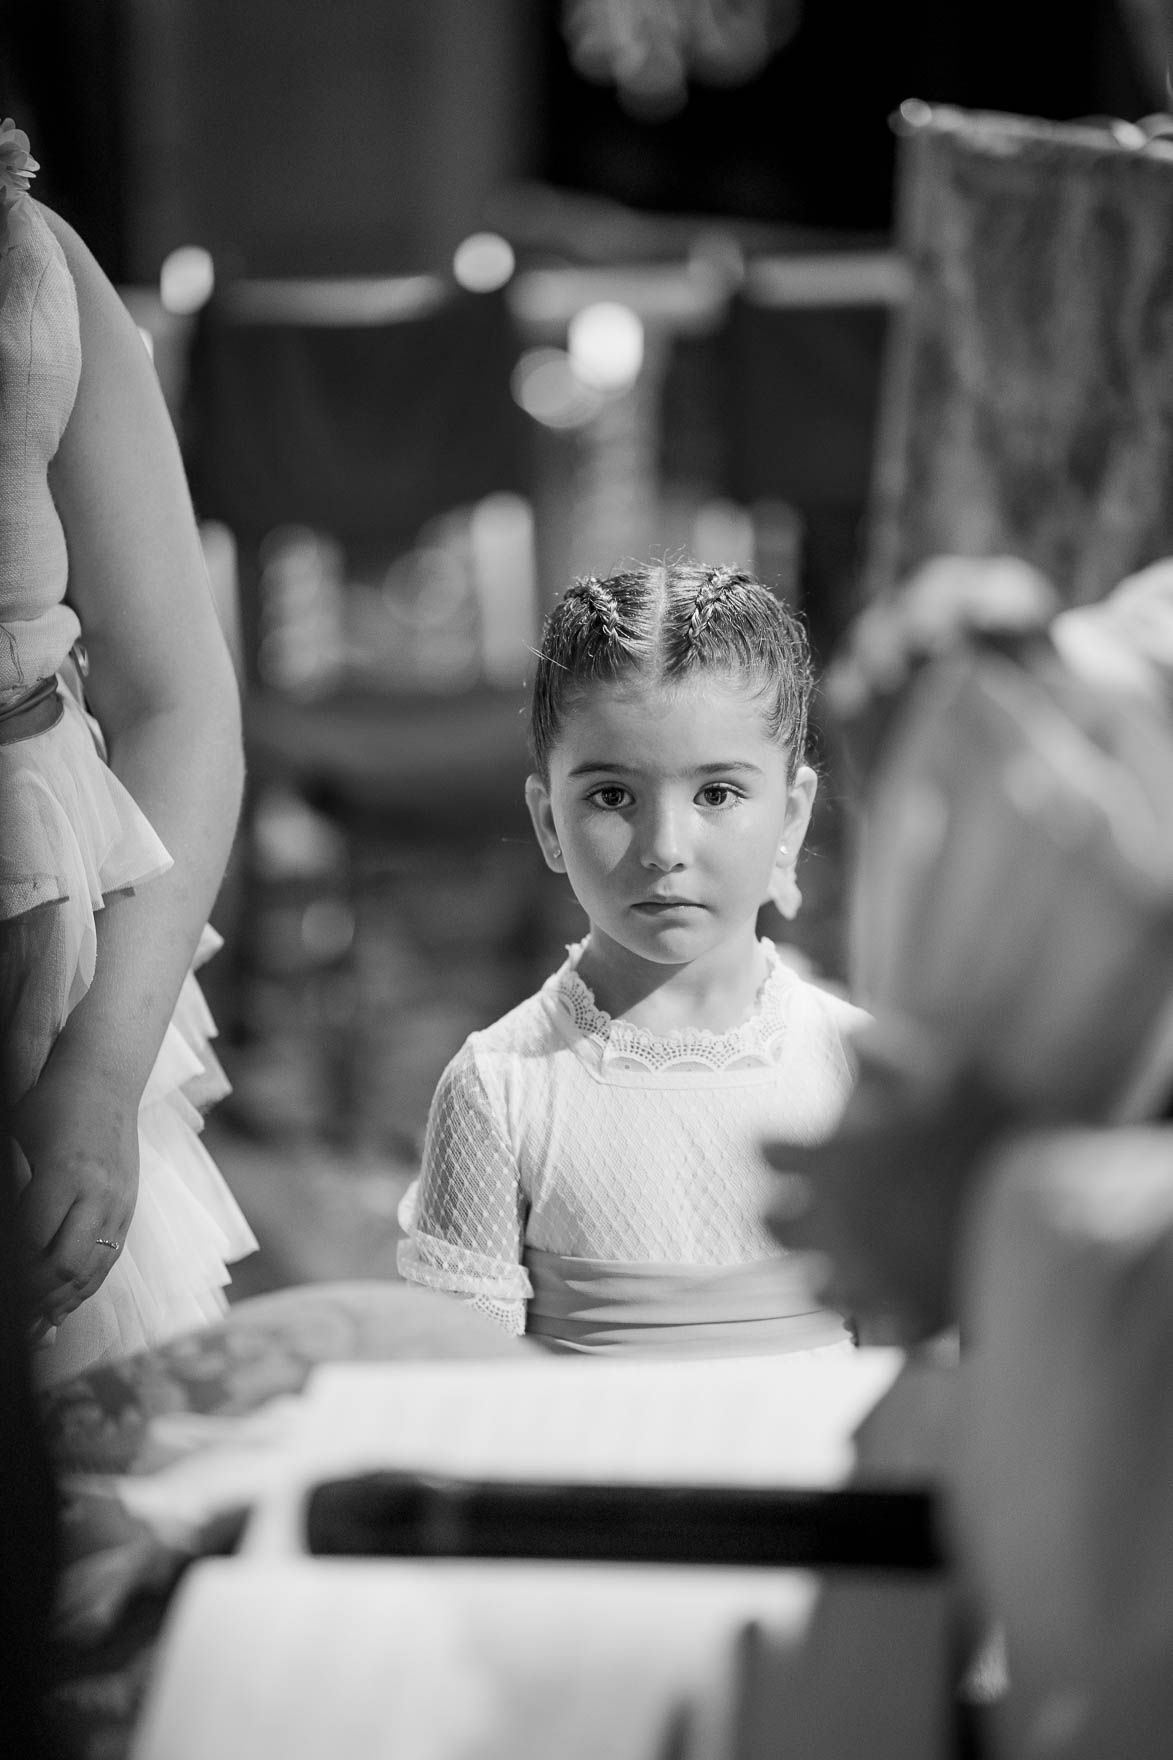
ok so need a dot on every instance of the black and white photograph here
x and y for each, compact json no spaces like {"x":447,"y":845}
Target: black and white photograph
{"x":586,"y":880}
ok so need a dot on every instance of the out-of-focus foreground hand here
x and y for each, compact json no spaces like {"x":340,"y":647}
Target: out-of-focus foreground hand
{"x":880,"y":1205}
{"x":944,"y":601}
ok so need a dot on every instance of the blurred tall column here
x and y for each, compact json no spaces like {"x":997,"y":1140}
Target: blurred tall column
{"x":616,"y":485}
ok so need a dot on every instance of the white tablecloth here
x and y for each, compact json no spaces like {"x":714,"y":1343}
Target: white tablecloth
{"x":273,"y":1653}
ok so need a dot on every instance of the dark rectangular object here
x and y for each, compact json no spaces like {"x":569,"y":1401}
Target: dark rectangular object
{"x":403,"y":1515}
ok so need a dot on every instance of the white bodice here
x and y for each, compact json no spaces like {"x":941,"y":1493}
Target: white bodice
{"x":40,"y":364}
{"x":562,"y":1129}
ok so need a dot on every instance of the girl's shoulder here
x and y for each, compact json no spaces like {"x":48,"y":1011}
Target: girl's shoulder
{"x":821,"y":1021}
{"x":820,"y":996}
{"x":525,"y":1031}
{"x":512,"y":1060}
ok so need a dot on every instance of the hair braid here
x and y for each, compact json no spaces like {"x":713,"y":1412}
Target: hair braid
{"x":599,"y":601}
{"x":666,"y":621}
{"x":708,"y":596}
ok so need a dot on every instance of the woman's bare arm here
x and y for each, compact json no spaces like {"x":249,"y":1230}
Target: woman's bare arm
{"x":163,"y":689}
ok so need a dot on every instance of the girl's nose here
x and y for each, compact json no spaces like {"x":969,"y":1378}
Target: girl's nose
{"x":663,"y":842}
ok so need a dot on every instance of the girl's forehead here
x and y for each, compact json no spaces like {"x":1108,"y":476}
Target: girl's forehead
{"x":704,"y":717}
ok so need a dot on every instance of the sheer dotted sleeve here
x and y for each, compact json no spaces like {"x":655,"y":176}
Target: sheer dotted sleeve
{"x":464,"y":1217}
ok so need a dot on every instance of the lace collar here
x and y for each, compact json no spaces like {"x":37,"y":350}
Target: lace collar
{"x":622,"y":1045}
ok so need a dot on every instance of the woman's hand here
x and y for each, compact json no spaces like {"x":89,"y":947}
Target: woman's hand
{"x":880,"y":1205}
{"x":80,"y":1143}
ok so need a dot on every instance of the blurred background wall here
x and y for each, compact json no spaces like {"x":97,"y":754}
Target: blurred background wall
{"x":365,"y":136}
{"x":287,"y":138}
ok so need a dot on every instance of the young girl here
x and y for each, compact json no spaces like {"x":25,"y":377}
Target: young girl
{"x":115,"y":830}
{"x":592,"y":1173}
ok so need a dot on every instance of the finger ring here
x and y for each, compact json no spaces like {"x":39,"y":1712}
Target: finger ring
{"x":101,"y":1241}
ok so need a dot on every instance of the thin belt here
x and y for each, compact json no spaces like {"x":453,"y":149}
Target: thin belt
{"x":34,"y":711}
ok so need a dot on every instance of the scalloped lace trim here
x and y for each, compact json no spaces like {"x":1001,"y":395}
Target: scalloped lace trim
{"x":509,"y":1315}
{"x":749,"y":1045}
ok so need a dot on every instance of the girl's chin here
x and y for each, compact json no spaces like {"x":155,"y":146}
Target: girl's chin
{"x":670,"y":940}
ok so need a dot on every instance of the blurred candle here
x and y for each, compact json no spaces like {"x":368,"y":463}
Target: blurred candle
{"x":502,"y":539}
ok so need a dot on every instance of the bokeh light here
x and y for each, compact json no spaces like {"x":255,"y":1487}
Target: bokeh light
{"x":605,"y":343}
{"x":483,"y":261}
{"x":186,"y":280}
{"x":547,"y":387}
{"x":912,"y":114}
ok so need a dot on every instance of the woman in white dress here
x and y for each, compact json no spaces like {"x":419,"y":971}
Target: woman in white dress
{"x":116,"y":824}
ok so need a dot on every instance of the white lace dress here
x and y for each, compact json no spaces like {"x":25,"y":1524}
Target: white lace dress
{"x":564,"y":1148}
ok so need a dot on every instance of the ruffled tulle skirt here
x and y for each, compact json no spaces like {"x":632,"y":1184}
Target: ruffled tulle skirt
{"x":73,"y":838}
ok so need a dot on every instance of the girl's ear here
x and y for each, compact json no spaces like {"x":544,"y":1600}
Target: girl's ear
{"x":799,"y":807}
{"x":537,"y":799}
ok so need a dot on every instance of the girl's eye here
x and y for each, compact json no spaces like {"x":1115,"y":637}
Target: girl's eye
{"x":718,"y":794}
{"x":611,"y":796}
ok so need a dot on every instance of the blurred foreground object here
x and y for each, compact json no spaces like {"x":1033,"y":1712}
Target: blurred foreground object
{"x":946,"y":599}
{"x":1014,"y":889}
{"x":879,"y":1207}
{"x":1066,"y":1455}
{"x":29,"y":1514}
{"x":459,"y":1523}
{"x":209,"y":1414}
{"x":1012,"y":912}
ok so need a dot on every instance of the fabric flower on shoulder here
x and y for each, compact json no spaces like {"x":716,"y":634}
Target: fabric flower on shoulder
{"x":17,"y":170}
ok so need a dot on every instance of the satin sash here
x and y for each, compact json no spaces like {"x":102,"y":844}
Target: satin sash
{"x":606,"y":1306}
{"x":34,"y":711}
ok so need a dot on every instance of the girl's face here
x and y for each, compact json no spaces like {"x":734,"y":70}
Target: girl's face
{"x":669,"y":808}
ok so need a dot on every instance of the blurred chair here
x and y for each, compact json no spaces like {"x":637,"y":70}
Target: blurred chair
{"x":347,"y":415}
{"x":359,"y":408}
{"x":1027,"y":408}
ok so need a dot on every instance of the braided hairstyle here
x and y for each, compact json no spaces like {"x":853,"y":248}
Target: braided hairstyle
{"x":665,"y":621}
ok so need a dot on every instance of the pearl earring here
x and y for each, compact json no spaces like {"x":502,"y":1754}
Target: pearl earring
{"x":784,"y":891}
{"x":785,"y":894}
